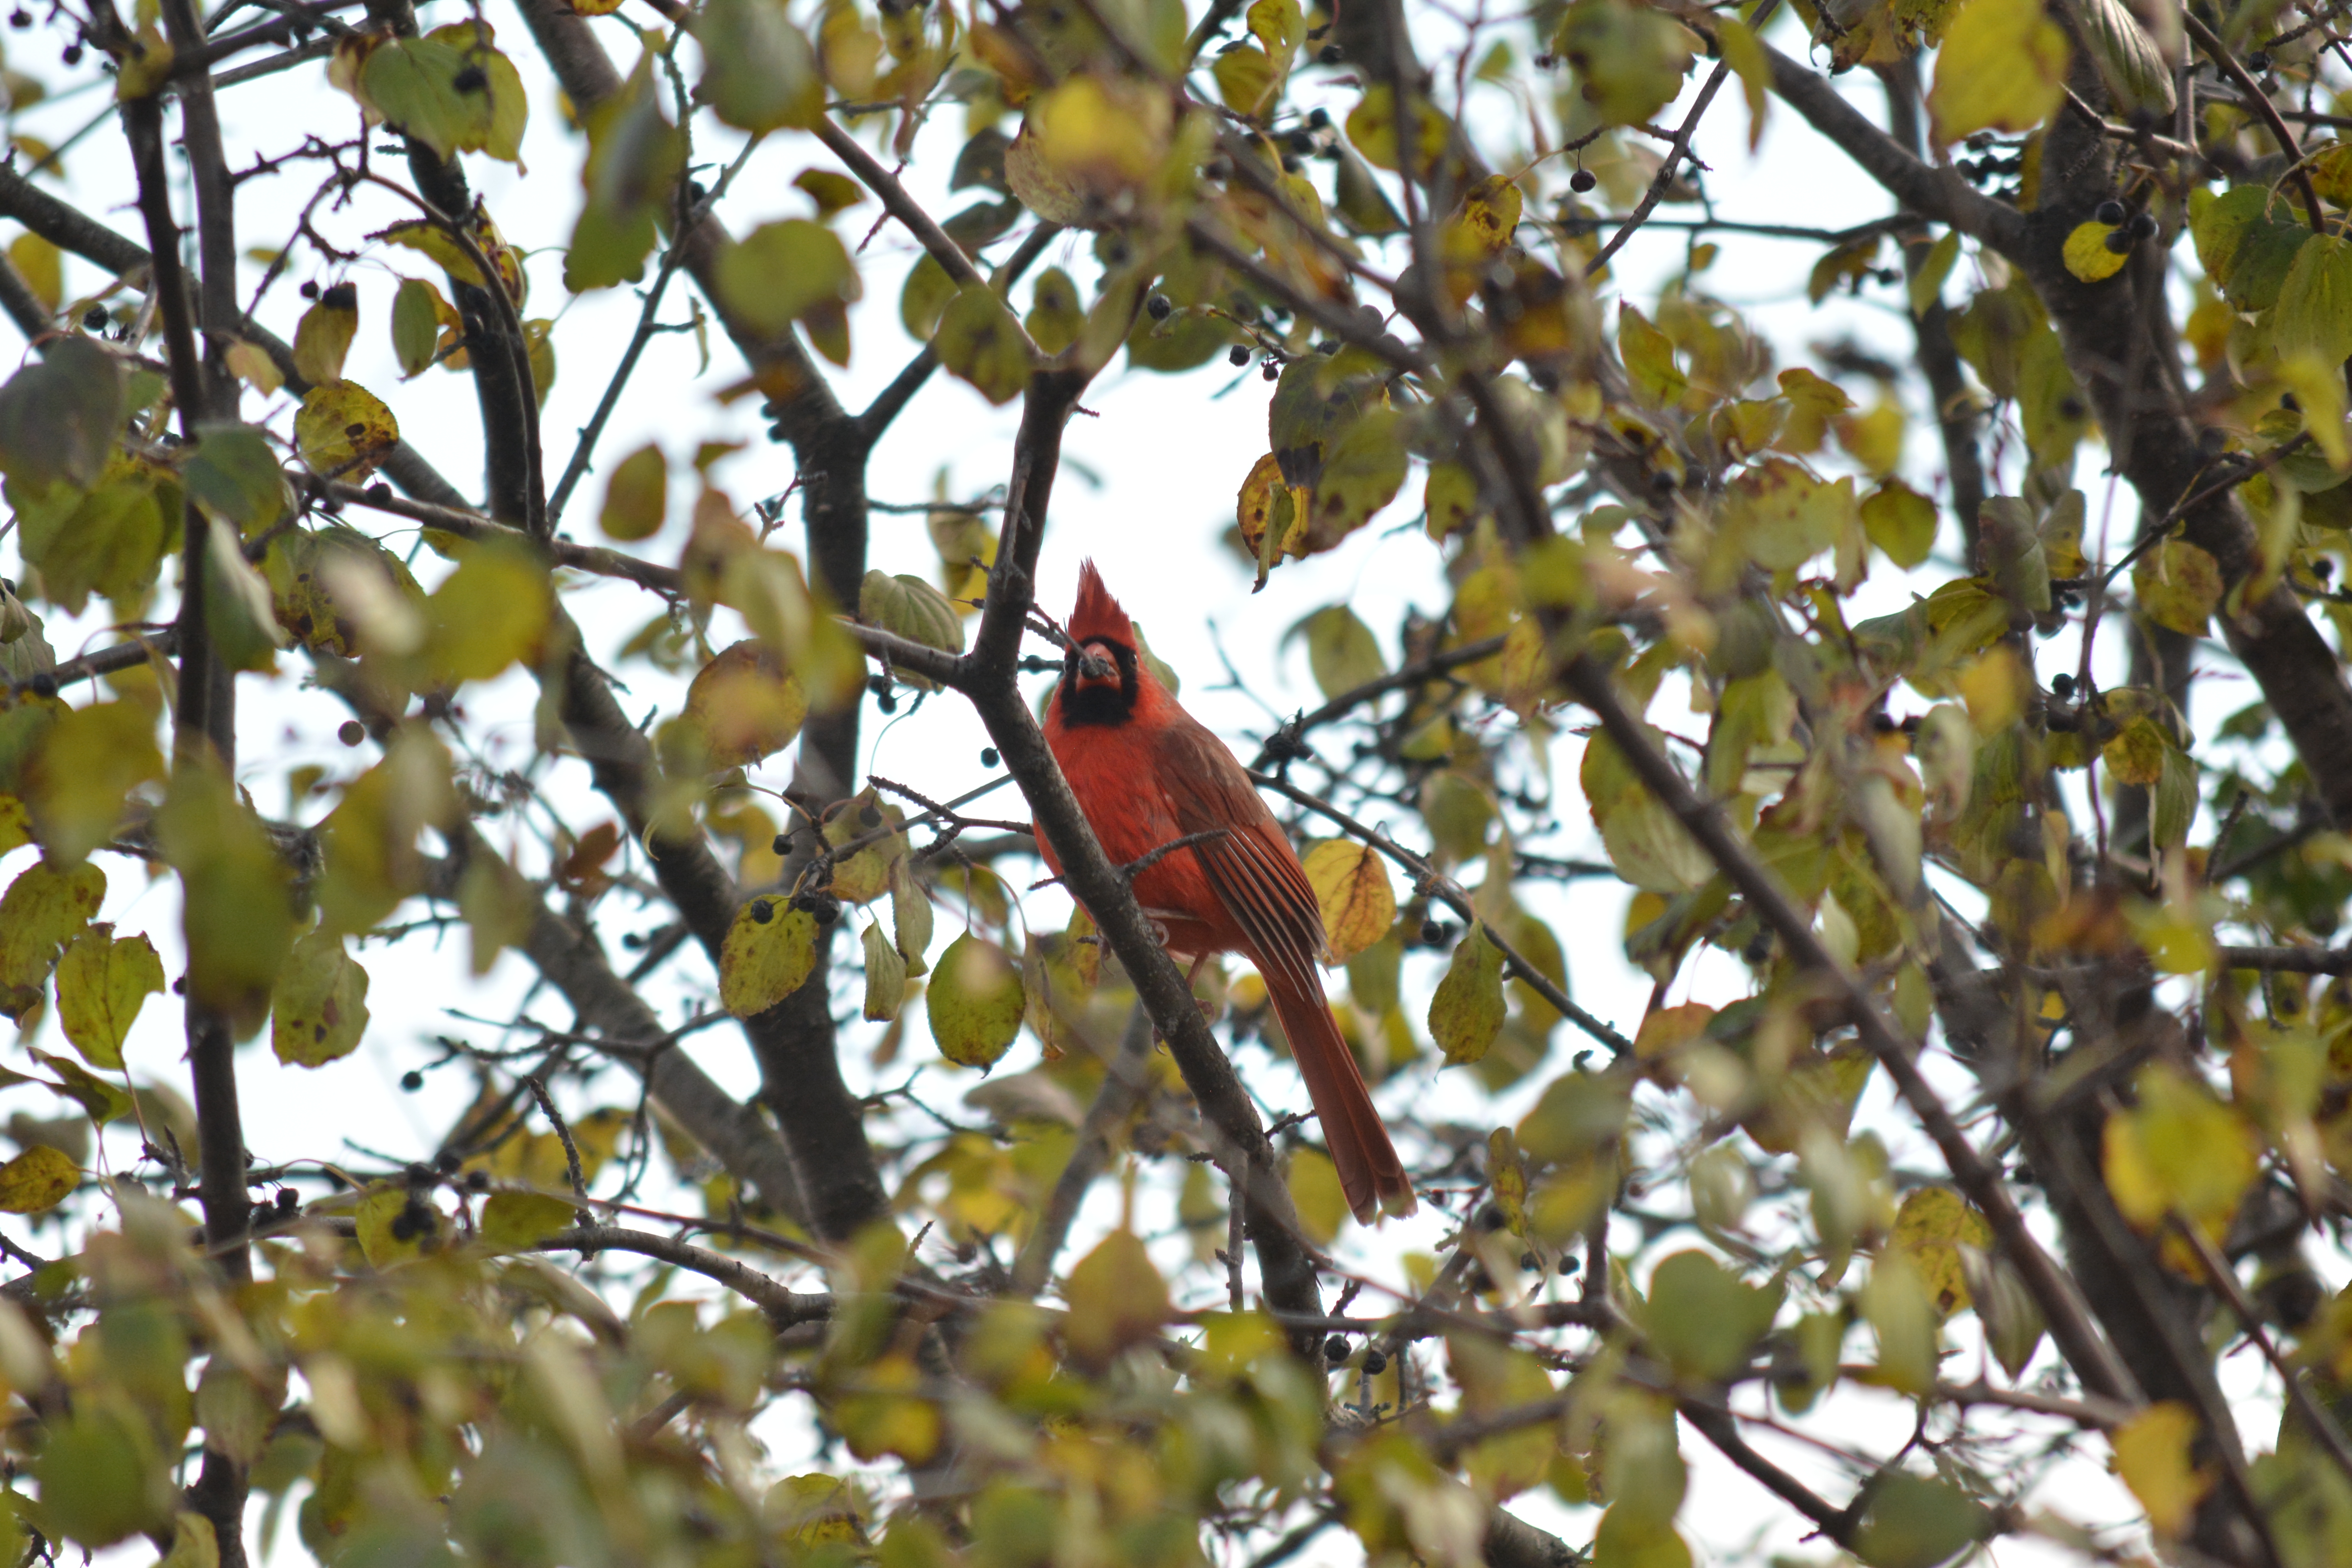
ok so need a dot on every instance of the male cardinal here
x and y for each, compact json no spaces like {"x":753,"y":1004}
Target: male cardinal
{"x":1148,"y":774}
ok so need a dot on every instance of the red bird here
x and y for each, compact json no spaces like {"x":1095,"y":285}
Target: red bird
{"x":1147,"y":773}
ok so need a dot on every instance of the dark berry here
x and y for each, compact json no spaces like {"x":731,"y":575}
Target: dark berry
{"x":2110,"y":212}
{"x":404,"y":1226}
{"x":780,"y":846}
{"x":2120,"y":241}
{"x":1530,"y":1262}
{"x":2257,"y":62}
{"x":478,"y":1181}
{"x":988,"y":757}
{"x":288,"y":1200}
{"x":1376,"y":1361}
{"x":1431,"y":932}
{"x":473,"y":79}
{"x":1290,"y":162}
{"x":20,"y":18}
{"x":1158,"y":306}
{"x":1238,"y":355}
{"x":1334,"y":1349}
{"x":1491,"y":1216}
{"x":94,"y":320}
{"x":2062,"y":687}
{"x":2323,"y":568}
{"x":869,"y":815}
{"x":887,"y":701}
{"x":378,"y":492}
{"x":1881,"y":722}
{"x":351,"y":732}
{"x":341,"y":297}
{"x":412,"y":1081}
{"x":1332,"y":55}
{"x":1272,"y":370}
{"x":763,"y":911}
{"x":2288,"y":401}
{"x":1318,"y":118}
{"x":310,"y":289}
{"x":72,"y":56}
{"x":2143,"y":224}
{"x":1582,"y":181}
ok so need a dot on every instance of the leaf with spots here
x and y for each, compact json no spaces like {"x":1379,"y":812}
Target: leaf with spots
{"x":319,"y":1009}
{"x":771,"y":950}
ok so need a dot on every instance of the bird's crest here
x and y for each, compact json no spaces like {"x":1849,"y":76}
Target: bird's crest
{"x":1097,"y":613}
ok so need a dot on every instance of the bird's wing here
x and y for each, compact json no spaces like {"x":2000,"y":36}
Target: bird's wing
{"x":1250,"y":868}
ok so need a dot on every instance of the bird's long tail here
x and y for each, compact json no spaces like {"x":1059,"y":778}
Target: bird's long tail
{"x":1371,"y":1175}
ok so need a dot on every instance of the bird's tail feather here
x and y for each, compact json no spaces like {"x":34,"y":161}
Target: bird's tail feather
{"x":1371,"y":1175}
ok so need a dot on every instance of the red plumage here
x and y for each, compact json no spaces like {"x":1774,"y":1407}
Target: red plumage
{"x":1146,"y":774}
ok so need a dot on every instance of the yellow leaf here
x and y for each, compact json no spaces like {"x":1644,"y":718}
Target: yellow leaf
{"x":323,"y":336}
{"x":521,"y":1219}
{"x":388,"y":1229}
{"x":1351,"y":884}
{"x":42,"y":266}
{"x":101,"y":984}
{"x":37,"y":1179}
{"x":319,"y":1007}
{"x":2002,"y":66}
{"x":1467,"y":1012}
{"x":2152,"y":1456}
{"x":2089,"y":257}
{"x":769,"y":952}
{"x":490,"y":612}
{"x":343,"y":430}
{"x":2178,"y":1151}
{"x":1930,"y":1228}
{"x":43,"y":909}
{"x":975,"y":1002}
{"x":1314,"y":1183}
{"x":1116,"y":1300}
{"x":745,"y":705}
{"x":2177,"y":585}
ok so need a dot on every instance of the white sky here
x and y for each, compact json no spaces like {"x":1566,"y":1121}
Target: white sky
{"x":1147,"y":488}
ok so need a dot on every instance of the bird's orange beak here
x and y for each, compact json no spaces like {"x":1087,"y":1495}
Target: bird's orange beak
{"x":1097,"y":666}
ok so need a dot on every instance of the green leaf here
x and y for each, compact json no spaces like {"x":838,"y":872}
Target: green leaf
{"x":522,"y":1219}
{"x":1467,"y":1012}
{"x":413,"y":85}
{"x":379,"y":1243}
{"x":770,"y":952}
{"x":103,"y":984}
{"x":240,"y":614}
{"x":1361,"y":473}
{"x":45,"y":908}
{"x":760,"y":72}
{"x":415,"y":325}
{"x":782,"y":272}
{"x":236,"y":913}
{"x":1630,"y":60}
{"x":40,"y":1178}
{"x":911,"y":608}
{"x":979,"y":341}
{"x":236,"y":472}
{"x":100,"y":1099}
{"x":82,"y":773}
{"x":636,"y":157}
{"x":1915,"y":1523}
{"x":745,"y":705}
{"x":637,"y":497}
{"x":1704,"y":1317}
{"x":2314,"y":314}
{"x":1927,"y":285}
{"x":319,"y":1009}
{"x":885,"y":975}
{"x":1055,"y":314}
{"x":1782,"y":516}
{"x":1901,"y":523}
{"x":2002,"y":66}
{"x":101,"y":1477}
{"x":1371,"y":128}
{"x":1896,"y":1303}
{"x":1932,"y":1226}
{"x":1341,"y":651}
{"x":974,"y":1002}
{"x":2247,"y":240}
{"x":1649,"y":356}
{"x":493,"y":610}
{"x":60,"y":416}
{"x":925,"y":297}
